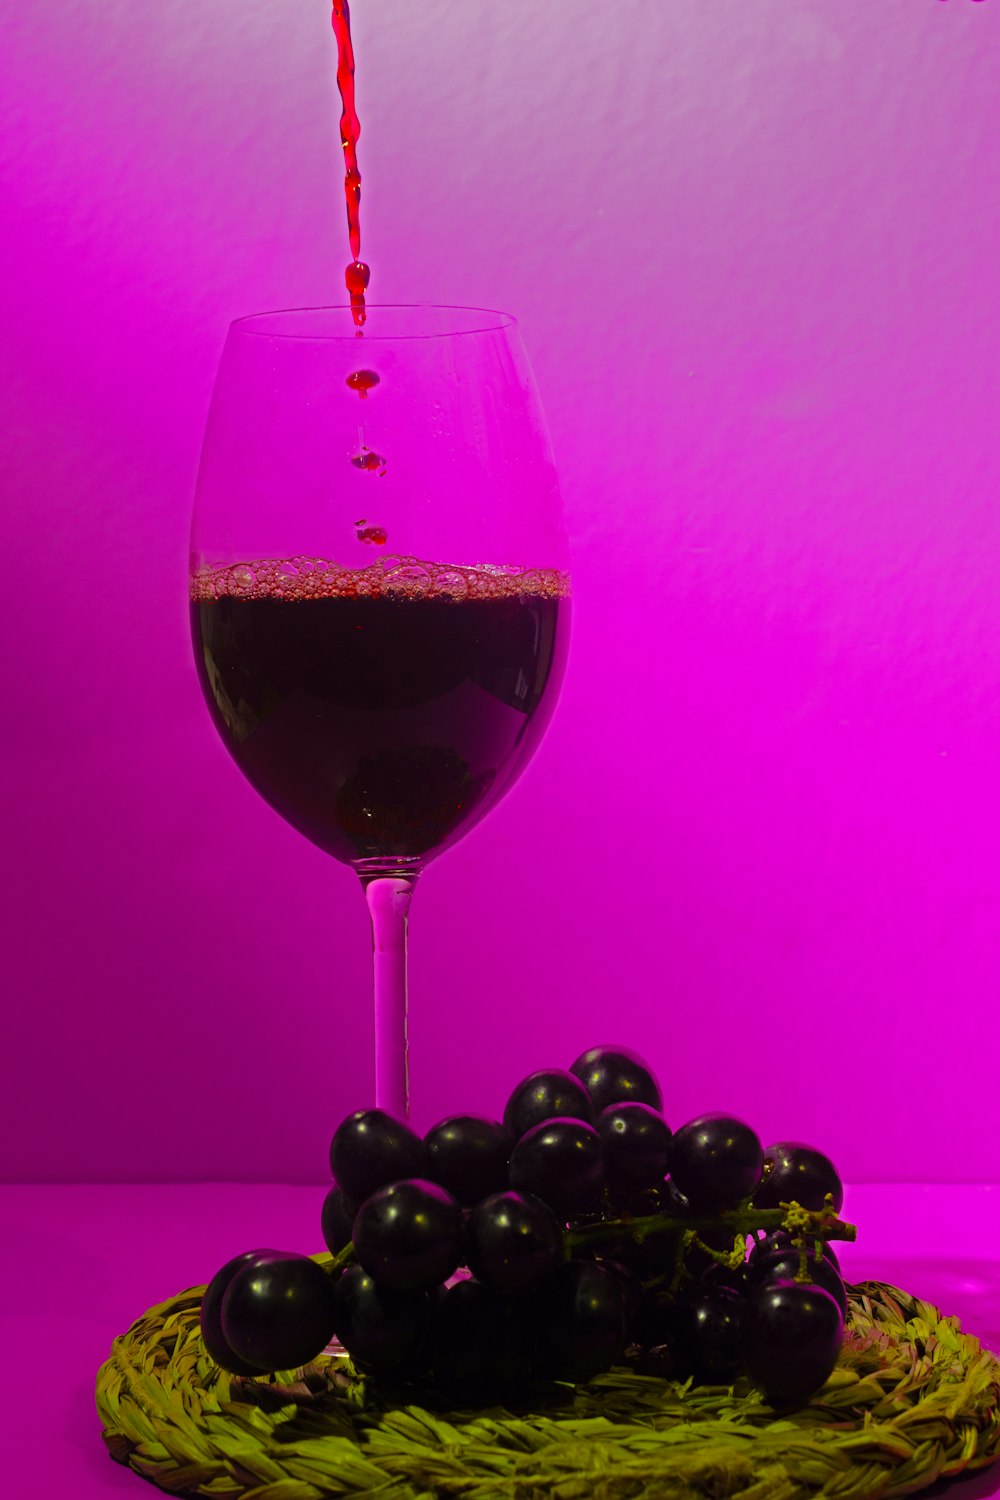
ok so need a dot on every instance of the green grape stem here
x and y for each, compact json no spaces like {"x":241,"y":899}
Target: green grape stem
{"x":342,"y":1259}
{"x":801,"y":1223}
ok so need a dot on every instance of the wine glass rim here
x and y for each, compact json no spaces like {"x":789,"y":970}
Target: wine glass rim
{"x":498,"y":322}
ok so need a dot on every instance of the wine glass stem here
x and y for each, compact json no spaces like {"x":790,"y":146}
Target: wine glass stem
{"x":388,"y":900}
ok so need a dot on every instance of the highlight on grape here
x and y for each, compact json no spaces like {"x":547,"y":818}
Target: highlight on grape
{"x":548,"y":1246}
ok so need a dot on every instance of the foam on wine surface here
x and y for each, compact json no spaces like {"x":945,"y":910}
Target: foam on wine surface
{"x":304,"y":577}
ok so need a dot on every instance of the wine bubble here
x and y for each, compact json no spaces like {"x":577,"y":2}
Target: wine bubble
{"x":410,"y":578}
{"x":451,"y":581}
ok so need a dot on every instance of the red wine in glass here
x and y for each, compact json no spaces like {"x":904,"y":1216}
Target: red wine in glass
{"x":382,"y":722}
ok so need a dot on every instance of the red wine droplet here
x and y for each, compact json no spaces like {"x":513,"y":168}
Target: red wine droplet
{"x":374,"y":534}
{"x":362,"y":381}
{"x":356,"y":278}
{"x":366,"y":459}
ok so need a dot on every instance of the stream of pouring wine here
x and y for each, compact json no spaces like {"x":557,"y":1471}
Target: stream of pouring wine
{"x":357,"y":274}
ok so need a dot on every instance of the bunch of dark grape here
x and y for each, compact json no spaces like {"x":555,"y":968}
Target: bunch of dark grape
{"x":490,"y":1254}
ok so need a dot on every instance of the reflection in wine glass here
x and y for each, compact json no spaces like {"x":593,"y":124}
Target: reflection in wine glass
{"x":379,"y":593}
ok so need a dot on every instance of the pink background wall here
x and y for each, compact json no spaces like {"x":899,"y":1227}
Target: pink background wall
{"x":754,"y":252}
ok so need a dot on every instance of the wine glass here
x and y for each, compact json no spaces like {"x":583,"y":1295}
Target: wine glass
{"x":379,"y":591}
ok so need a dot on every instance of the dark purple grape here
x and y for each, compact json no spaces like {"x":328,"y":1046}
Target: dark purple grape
{"x":408,"y":1235}
{"x":705,"y":1335}
{"x":549,"y":1094}
{"x":511,"y":1240}
{"x":480,"y":1343}
{"x":561,"y":1162}
{"x":651,"y":1325}
{"x":791,"y":1340}
{"x":715,"y":1161}
{"x":580,"y":1321}
{"x":784,"y":1266}
{"x":630,"y":1290}
{"x":780,"y":1239}
{"x":370,"y":1149}
{"x":614,"y":1075}
{"x":211,"y":1313}
{"x":643,"y":1202}
{"x":794,"y":1173}
{"x":636,"y":1147}
{"x":382,"y":1331}
{"x":337,"y":1219}
{"x":277,"y":1312}
{"x":733,"y":1278}
{"x":468,"y":1156}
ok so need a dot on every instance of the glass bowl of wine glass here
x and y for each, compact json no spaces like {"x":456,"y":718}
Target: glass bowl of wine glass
{"x":379,"y":590}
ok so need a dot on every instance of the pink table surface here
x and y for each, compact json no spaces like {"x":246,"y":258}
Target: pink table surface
{"x":79,"y":1263}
